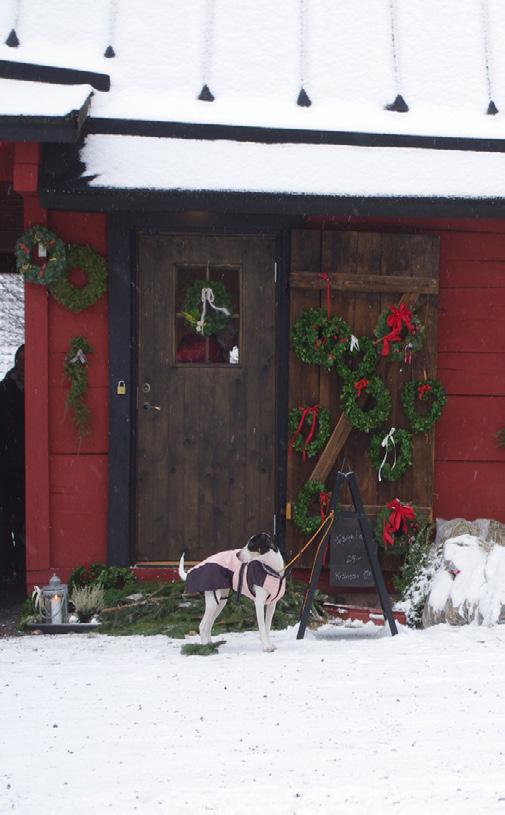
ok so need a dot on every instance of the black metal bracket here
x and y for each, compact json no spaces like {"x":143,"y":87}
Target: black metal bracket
{"x":366,"y":532}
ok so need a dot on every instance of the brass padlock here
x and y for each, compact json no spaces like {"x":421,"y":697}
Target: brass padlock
{"x":121,"y":388}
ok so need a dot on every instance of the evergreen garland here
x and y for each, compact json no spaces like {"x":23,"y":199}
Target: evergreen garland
{"x":49,"y":271}
{"x":215,"y":318}
{"x":93,"y":265}
{"x":363,"y":419}
{"x":318,"y":339}
{"x":399,"y":333}
{"x":392,"y":522}
{"x":309,"y":446}
{"x":76,"y":371}
{"x":420,"y":391}
{"x":301,"y":518}
{"x":394,"y":471}
{"x":363,"y":357}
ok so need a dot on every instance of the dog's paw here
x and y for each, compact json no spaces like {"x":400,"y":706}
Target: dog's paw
{"x":269,"y":648}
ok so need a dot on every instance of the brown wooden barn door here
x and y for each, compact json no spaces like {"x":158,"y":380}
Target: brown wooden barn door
{"x":205,"y":421}
{"x":368,"y":272}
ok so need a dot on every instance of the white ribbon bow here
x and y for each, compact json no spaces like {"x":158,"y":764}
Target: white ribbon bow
{"x":385,"y":443}
{"x":80,"y":356}
{"x":208,"y":297}
{"x":354,"y":343}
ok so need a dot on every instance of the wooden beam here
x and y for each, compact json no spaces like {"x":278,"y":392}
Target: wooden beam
{"x":333,"y":447}
{"x":365,"y":282}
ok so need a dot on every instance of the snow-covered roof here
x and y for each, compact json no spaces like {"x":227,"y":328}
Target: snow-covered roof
{"x":133,"y":162}
{"x":39,"y":99}
{"x":444,"y":57}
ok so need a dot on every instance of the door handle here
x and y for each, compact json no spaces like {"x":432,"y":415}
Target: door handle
{"x":148,"y":406}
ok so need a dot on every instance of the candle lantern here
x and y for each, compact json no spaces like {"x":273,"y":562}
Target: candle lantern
{"x":55,"y":596}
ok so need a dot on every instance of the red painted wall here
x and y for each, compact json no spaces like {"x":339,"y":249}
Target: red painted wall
{"x":67,"y":482}
{"x":469,"y":464}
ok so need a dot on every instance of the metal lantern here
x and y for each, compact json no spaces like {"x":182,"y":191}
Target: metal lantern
{"x":55,"y":597}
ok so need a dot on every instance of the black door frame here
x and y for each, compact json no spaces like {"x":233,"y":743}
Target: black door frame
{"x":123,"y":229}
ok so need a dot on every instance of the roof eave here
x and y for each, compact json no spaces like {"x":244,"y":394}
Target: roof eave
{"x":59,"y":129}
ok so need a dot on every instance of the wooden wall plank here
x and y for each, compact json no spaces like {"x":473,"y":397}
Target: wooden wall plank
{"x":472,"y":374}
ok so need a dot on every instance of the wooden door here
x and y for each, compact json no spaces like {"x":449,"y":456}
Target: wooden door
{"x":205,"y":460}
{"x":368,"y":272}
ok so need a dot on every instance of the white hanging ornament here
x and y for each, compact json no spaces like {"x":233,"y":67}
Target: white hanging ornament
{"x":386,"y":441}
{"x":208,"y":297}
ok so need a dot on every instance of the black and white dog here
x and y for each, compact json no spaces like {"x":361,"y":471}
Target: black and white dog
{"x":256,"y":571}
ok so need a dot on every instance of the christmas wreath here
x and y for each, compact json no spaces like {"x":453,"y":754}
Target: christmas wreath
{"x":76,"y":371}
{"x":359,"y":417}
{"x":207,"y":307}
{"x":399,"y":333}
{"x":384,"y":447}
{"x":53,"y":248}
{"x":316,"y":420}
{"x":418,"y":393}
{"x":309,"y":523}
{"x":93,"y":265}
{"x":358,"y":359}
{"x":396,"y":526}
{"x":319,"y":339}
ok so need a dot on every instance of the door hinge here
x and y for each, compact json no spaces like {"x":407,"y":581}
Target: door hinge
{"x":275,"y":524}
{"x":275,"y":272}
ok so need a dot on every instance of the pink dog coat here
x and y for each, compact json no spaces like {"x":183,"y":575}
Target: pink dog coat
{"x":225,"y":570}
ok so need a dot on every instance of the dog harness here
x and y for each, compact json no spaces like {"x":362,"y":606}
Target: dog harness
{"x":225,"y":570}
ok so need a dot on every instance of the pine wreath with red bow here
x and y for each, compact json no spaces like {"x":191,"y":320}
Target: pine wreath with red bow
{"x":399,"y":333}
{"x":309,"y":429}
{"x":423,"y":401}
{"x":397,"y":525}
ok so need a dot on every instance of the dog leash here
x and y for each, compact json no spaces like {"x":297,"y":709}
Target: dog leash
{"x":329,"y":521}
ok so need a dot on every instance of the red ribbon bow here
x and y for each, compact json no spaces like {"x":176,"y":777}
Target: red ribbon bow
{"x":398,"y":317}
{"x":400,"y":514}
{"x":360,"y":385}
{"x":324,"y":504}
{"x":306,"y":412}
{"x":422,"y":389}
{"x":326,"y":279}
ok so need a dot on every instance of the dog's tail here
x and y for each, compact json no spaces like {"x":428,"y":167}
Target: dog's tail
{"x":182,"y":573}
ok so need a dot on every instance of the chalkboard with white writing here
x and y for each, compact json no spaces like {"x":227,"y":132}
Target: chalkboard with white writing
{"x":349,"y":564}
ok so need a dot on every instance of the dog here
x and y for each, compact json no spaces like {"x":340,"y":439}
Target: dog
{"x":255,"y":571}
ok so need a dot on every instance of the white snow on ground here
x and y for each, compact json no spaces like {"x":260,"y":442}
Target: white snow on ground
{"x":347,"y":721}
{"x":190,"y":164}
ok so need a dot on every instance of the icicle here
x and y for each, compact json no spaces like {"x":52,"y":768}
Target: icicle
{"x":12,"y":40}
{"x":304,"y":100}
{"x":109,"y":52}
{"x":206,"y":94}
{"x":492,"y":110}
{"x":399,"y":105}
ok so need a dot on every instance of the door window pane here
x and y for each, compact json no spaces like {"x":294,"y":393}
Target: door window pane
{"x":204,"y":333}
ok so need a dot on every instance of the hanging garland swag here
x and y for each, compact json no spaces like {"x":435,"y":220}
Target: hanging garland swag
{"x":49,"y":271}
{"x":318,"y":339}
{"x":399,"y":333}
{"x":363,"y":354}
{"x":76,"y":371}
{"x":363,"y":419}
{"x":301,"y":518}
{"x":207,"y":307}
{"x":384,"y":447}
{"x":316,"y":422}
{"x":396,"y":526}
{"x":416,"y":393}
{"x":93,"y":265}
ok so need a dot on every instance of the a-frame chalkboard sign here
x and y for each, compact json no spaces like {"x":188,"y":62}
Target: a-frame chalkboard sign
{"x":370,"y":548}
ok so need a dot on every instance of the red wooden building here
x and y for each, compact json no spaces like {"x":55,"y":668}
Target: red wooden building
{"x":174,"y":147}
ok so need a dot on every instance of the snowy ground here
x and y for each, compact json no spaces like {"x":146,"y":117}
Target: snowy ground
{"x":348,"y":721}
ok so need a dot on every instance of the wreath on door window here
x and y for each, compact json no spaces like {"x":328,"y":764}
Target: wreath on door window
{"x":53,"y":249}
{"x":93,"y":265}
{"x":207,"y":307}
